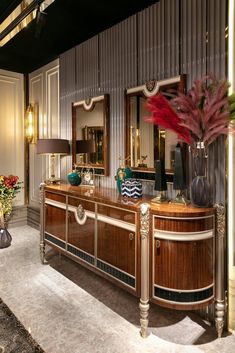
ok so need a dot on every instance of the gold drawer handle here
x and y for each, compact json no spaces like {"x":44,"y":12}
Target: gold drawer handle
{"x":131,"y":236}
{"x":158,"y":244}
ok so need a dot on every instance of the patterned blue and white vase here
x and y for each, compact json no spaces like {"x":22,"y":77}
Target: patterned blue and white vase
{"x":132,"y":188}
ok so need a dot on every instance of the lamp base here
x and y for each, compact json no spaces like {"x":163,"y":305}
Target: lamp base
{"x":160,"y":198}
{"x":52,"y":180}
{"x":180,"y":198}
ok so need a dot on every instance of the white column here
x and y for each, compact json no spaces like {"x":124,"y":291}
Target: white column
{"x":231,"y":176}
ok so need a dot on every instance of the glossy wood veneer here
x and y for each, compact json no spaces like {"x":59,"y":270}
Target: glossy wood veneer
{"x":87,"y":205}
{"x":183,"y":265}
{"x":81,"y":236}
{"x":117,"y":247}
{"x":184,"y":225}
{"x":117,"y":213}
{"x":104,"y":196}
{"x":55,"y":221}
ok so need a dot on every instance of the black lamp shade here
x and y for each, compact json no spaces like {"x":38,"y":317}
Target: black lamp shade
{"x":52,"y":146}
{"x":160,"y":176}
{"x":85,"y":146}
{"x":179,"y":175}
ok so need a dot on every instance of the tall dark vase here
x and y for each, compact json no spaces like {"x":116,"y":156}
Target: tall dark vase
{"x":200,"y":190}
{"x":160,"y":182}
{"x":179,"y":183}
{"x":5,"y":237}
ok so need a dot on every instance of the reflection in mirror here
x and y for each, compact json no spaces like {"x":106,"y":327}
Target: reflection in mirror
{"x":146,"y":143}
{"x":90,"y":134}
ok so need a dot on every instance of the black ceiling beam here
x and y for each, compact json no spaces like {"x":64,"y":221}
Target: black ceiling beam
{"x":20,"y":18}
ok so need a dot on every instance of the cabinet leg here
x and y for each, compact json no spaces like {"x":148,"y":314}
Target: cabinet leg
{"x":144,"y":311}
{"x":42,"y":252}
{"x":144,"y":297}
{"x":219,"y":317}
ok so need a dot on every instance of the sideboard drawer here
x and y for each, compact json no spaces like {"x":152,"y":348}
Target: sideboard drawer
{"x":55,"y":197}
{"x":87,"y":205}
{"x":117,"y":213}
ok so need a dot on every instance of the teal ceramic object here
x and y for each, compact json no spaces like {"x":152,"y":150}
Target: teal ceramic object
{"x":74,"y":178}
{"x":122,"y":174}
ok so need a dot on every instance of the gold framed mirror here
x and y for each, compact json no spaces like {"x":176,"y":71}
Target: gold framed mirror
{"x":90,"y":134}
{"x":145,"y":143}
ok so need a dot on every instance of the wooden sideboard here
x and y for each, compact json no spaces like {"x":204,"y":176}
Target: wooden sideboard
{"x":163,"y":253}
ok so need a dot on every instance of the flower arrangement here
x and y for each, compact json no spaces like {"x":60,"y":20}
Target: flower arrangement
{"x":9,"y":186}
{"x":200,"y":115}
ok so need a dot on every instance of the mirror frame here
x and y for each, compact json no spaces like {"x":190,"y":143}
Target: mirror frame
{"x":149,"y":89}
{"x":88,"y":105}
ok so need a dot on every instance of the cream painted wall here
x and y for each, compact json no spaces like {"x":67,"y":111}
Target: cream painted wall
{"x":12,"y":127}
{"x":43,"y":90}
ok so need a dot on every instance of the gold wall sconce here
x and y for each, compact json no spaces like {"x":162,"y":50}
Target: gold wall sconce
{"x":31,"y":123}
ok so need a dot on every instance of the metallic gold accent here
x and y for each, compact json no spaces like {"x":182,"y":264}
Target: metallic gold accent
{"x":144,"y":220}
{"x":42,"y":252}
{"x":131,"y":236}
{"x":144,"y":308}
{"x":219,"y":269}
{"x":180,"y":198}
{"x":80,"y":212}
{"x":231,"y":172}
{"x":150,"y":85}
{"x":219,"y":317}
{"x":42,"y":222}
{"x":160,"y":198}
{"x":220,"y":220}
{"x":158,"y":243}
{"x":144,"y":296}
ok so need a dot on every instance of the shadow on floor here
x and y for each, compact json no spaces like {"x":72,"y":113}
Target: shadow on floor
{"x":183,"y":327}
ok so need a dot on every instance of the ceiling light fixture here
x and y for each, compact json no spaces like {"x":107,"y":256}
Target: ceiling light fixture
{"x":21,"y":17}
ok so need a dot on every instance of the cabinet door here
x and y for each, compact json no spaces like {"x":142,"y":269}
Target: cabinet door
{"x":183,"y":265}
{"x":55,"y":221}
{"x":81,"y":236}
{"x":116,"y":246}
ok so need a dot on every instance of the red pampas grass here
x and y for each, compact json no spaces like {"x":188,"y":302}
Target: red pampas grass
{"x":164,"y":115}
{"x":201,"y":115}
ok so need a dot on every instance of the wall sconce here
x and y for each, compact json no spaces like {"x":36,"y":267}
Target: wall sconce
{"x":31,"y":120}
{"x":52,"y":147}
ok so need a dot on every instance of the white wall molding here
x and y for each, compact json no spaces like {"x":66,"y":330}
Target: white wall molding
{"x":44,"y":90}
{"x":12,"y":127}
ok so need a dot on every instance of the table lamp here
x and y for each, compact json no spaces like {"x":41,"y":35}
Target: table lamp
{"x":53,"y":147}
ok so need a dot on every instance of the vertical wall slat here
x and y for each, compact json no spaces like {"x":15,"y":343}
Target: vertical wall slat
{"x":164,"y":40}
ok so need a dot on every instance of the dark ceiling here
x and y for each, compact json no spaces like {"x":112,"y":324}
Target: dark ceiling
{"x":67,"y":23}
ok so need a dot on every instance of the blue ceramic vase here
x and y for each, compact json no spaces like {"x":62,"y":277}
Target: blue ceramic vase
{"x":74,"y":178}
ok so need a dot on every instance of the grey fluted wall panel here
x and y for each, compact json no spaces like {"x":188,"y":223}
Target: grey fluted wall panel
{"x":193,"y":39}
{"x":67,"y":96}
{"x":67,"y":73}
{"x":118,"y":55}
{"x":216,"y":37}
{"x":158,"y":41}
{"x":169,"y":38}
{"x":87,"y":68}
{"x":216,"y":64}
{"x":118,"y":70}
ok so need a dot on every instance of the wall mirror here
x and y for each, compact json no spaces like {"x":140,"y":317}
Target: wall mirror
{"x":145,"y":143}
{"x":90,"y":134}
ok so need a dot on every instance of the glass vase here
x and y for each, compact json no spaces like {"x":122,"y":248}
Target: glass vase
{"x":5,"y":236}
{"x":200,"y":189}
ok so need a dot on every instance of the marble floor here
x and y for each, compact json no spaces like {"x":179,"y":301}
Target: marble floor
{"x":69,"y":309}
